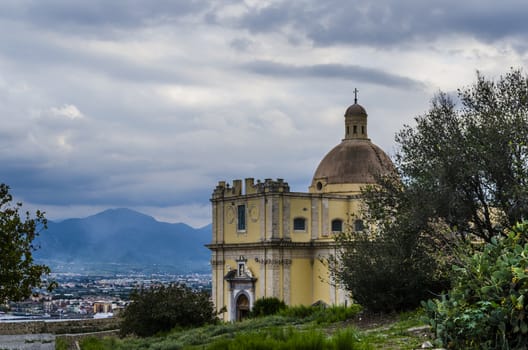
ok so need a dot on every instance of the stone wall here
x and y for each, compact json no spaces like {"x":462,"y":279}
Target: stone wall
{"x":59,"y":327}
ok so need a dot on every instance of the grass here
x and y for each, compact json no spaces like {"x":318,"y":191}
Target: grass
{"x":395,"y":334}
{"x":332,"y":329}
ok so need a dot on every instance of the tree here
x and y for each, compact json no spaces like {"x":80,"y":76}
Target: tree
{"x":462,"y":172}
{"x":470,"y":164}
{"x":18,"y":272}
{"x":392,"y":265}
{"x":161,"y":308}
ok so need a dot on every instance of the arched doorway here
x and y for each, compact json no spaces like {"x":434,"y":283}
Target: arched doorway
{"x":242,"y":307}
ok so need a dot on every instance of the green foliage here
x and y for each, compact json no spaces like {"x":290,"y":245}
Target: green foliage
{"x":468,"y":165}
{"x":388,"y":268}
{"x":335,"y":314}
{"x":222,"y":336}
{"x":289,"y":338}
{"x":18,"y":272}
{"x":267,"y":306}
{"x":346,"y":339}
{"x":61,"y":344}
{"x":300,"y":312}
{"x":487,"y":306}
{"x":91,"y":343}
{"x":161,"y":308}
{"x":320,"y":314}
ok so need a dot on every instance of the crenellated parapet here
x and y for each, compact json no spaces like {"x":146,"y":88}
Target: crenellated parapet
{"x":236,"y":189}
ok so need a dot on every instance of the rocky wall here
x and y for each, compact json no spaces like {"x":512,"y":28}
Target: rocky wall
{"x":59,"y":327}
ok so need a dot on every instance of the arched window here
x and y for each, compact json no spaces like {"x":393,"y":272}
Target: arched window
{"x":299,"y":224}
{"x":358,"y":225}
{"x":337,"y":225}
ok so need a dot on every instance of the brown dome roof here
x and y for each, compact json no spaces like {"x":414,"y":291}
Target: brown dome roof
{"x":356,"y":110}
{"x":353,"y":161}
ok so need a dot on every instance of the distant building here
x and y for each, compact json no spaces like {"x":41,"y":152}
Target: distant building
{"x":270,"y":242}
{"x":102,"y":307}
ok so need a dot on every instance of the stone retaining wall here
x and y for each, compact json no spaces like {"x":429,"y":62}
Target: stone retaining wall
{"x":59,"y":327}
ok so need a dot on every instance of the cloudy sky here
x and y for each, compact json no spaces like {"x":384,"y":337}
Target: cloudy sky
{"x":148,"y":104}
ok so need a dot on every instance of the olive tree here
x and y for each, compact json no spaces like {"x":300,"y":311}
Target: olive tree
{"x":469,"y":161}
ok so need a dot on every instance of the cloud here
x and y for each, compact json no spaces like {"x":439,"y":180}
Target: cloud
{"x":388,"y":23}
{"x":333,"y":71}
{"x":67,"y":111}
{"x":147,"y":105}
{"x":97,"y":18}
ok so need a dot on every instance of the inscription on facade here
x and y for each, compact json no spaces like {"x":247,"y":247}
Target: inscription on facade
{"x":272,"y":261}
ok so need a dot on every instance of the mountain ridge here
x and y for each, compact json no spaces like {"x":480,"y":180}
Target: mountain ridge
{"x":125,"y":236}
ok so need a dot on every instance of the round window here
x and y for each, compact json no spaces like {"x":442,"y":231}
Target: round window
{"x":319,"y":185}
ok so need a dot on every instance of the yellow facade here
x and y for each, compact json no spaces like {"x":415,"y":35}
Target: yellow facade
{"x":270,"y":242}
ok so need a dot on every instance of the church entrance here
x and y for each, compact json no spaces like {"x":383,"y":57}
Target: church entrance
{"x":242,"y":307}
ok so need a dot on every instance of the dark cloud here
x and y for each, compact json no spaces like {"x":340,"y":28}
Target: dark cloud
{"x":241,"y":44}
{"x":333,"y":71}
{"x":97,"y":17}
{"x":385,"y":22}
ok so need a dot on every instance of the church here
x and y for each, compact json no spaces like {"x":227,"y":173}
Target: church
{"x":270,"y":242}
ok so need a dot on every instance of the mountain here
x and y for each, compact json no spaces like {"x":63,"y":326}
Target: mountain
{"x":124,"y":236}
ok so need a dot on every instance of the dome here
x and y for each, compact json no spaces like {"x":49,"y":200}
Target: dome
{"x":353,"y":162}
{"x":355,"y":110}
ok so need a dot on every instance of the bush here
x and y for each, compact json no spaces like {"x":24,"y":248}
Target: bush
{"x":321,"y":314}
{"x":300,"y":311}
{"x":334,"y":314}
{"x":267,"y":306}
{"x":486,"y":308}
{"x":161,"y":308}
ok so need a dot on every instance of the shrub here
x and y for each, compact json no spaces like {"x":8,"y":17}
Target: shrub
{"x":486,"y":308}
{"x":334,"y":314}
{"x":161,"y":308}
{"x":348,"y":338}
{"x":267,"y":306}
{"x":321,"y":314}
{"x":299,"y":311}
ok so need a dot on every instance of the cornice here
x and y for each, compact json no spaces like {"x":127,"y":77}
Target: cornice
{"x":271,"y":245}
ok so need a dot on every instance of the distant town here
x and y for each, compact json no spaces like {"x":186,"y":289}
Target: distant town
{"x":92,"y":296}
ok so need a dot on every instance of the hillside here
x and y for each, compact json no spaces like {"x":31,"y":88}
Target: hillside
{"x":123,"y":236}
{"x":325,"y":330}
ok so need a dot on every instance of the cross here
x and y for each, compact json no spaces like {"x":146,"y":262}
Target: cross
{"x":355,"y":95}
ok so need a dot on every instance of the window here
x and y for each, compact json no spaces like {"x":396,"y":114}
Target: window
{"x":241,"y":222}
{"x":299,"y":224}
{"x":355,"y":129}
{"x":337,"y":225}
{"x":358,"y":225}
{"x":363,"y":130}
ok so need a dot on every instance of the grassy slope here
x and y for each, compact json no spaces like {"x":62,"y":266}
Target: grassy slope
{"x":365,"y":333}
